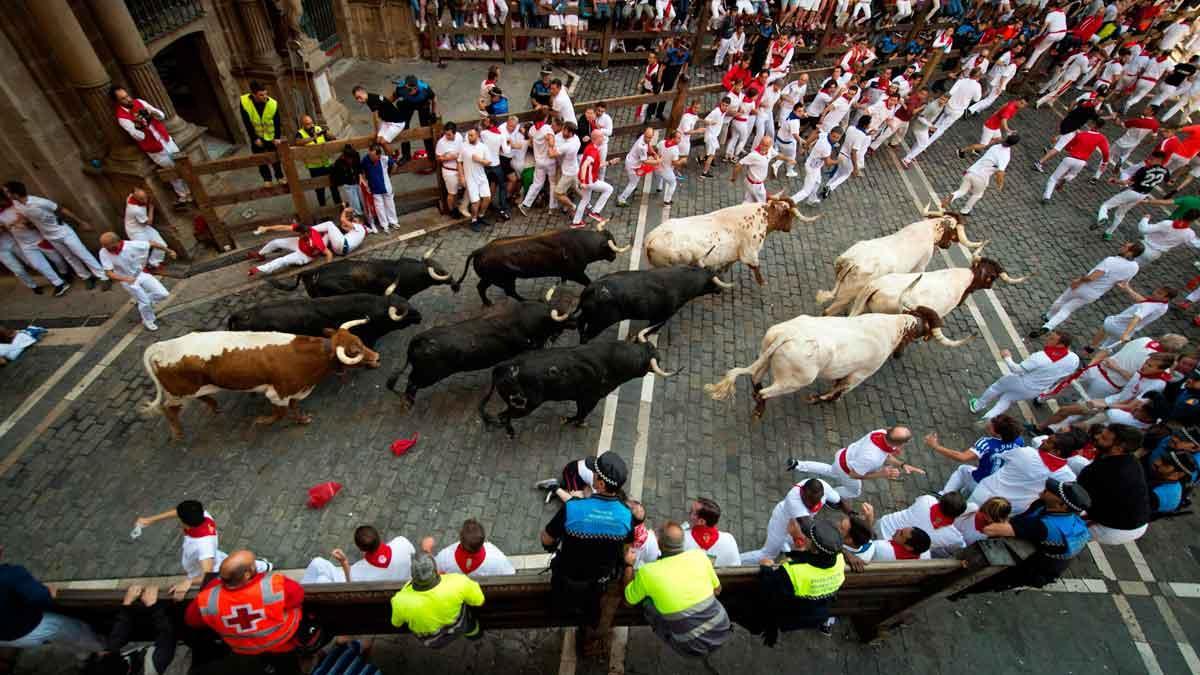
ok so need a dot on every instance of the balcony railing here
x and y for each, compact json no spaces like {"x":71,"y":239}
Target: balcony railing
{"x":318,"y":22}
{"x":156,"y":18}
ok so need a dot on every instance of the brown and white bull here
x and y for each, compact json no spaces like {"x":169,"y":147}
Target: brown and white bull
{"x":941,"y":291}
{"x":904,"y":251}
{"x":843,"y":350}
{"x":721,"y":238}
{"x":283,"y":367}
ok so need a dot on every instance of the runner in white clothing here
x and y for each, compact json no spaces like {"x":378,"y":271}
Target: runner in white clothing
{"x":787,"y":137}
{"x":139,"y":223}
{"x":1054,"y":29}
{"x":47,"y":217}
{"x":1020,"y":479}
{"x":998,"y":78}
{"x":875,"y":455}
{"x":933,"y":515}
{"x":1160,"y":237}
{"x":964,"y":92}
{"x":756,"y":164}
{"x":1092,"y":286}
{"x":702,"y":533}
{"x":391,"y":561}
{"x":125,"y":261}
{"x":791,"y":94}
{"x":541,"y":137}
{"x":641,"y":159}
{"x":803,"y":500}
{"x":713,"y":122}
{"x":473,"y":555}
{"x":1148,"y":78}
{"x":977,"y":176}
{"x":851,"y":157}
{"x":28,"y":240}
{"x":670,"y":159}
{"x":1145,"y":310}
{"x":819,"y":158}
{"x":1028,"y":378}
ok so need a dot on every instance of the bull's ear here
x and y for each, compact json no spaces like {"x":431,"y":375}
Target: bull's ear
{"x":329,"y":332}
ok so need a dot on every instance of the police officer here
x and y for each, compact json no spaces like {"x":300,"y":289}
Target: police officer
{"x":311,"y":134}
{"x":798,"y":593}
{"x":416,"y":96}
{"x":1054,"y":526}
{"x":589,"y":538}
{"x":260,"y":116}
{"x":678,"y":596}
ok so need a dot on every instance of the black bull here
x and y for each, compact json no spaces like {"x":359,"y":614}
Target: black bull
{"x":477,"y":343}
{"x":384,"y":314}
{"x":583,"y":374}
{"x":653,"y":295}
{"x":409,"y":276}
{"x":555,"y":253}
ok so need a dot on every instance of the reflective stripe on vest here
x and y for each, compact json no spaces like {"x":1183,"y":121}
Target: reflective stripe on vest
{"x":264,"y":125}
{"x":251,"y":619}
{"x":320,"y":136}
{"x":815,"y":583}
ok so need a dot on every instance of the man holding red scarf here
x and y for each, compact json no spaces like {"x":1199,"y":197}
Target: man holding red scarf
{"x":143,"y":123}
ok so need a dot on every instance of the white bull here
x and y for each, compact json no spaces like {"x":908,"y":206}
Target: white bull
{"x":941,"y":291}
{"x":723,"y":237}
{"x":843,"y":350}
{"x":907,"y":250}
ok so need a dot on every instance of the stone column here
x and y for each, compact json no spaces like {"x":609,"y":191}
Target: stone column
{"x":260,"y":33}
{"x":124,"y":38}
{"x":83,"y":70}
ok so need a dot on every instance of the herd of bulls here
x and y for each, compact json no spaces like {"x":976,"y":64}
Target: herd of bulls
{"x":283,"y":349}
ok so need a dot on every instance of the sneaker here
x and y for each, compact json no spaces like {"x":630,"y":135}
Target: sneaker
{"x":1183,"y":305}
{"x":706,"y":174}
{"x":823,"y":193}
{"x":961,"y":154}
{"x":60,"y":291}
{"x":464,"y":210}
{"x":548,"y":484}
{"x":791,"y":173}
{"x":483,"y":222}
{"x":91,"y":283}
{"x":1038,"y":332}
{"x":106,"y":285}
{"x":1045,"y":201}
{"x":578,"y":226}
{"x":973,"y":404}
{"x":827,"y":627}
{"x":791,"y":464}
{"x":522,"y":209}
{"x":505,"y":215}
{"x":1093,"y":180}
{"x":1045,"y":317}
{"x":621,"y":203}
{"x":1037,"y":166}
{"x":38,"y":290}
{"x":151,"y":326}
{"x":476,"y":226}
{"x":666,"y":203}
{"x":1107,"y":236}
{"x":1099,"y":223}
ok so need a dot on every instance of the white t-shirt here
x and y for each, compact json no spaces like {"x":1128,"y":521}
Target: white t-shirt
{"x":995,"y":159}
{"x":563,"y":108}
{"x":198,"y":549}
{"x":568,"y":154}
{"x":668,"y":154}
{"x":1055,"y":23}
{"x":637,"y":154}
{"x":1039,"y":372}
{"x":1115,"y":270}
{"x":964,"y":92}
{"x":856,"y":142}
{"x":864,"y":455}
{"x":788,"y":131}
{"x":648,"y":552}
{"x":1137,"y":387}
{"x":494,"y":563}
{"x":965,"y":524}
{"x":497,"y":144}
{"x":398,"y":569}
{"x":1021,"y":478}
{"x":818,"y":104}
{"x":836,"y":112}
{"x":920,"y":514}
{"x":475,"y":159}
{"x":130,"y":261}
{"x":722,"y":553}
{"x":792,"y":93}
{"x":1001,"y":74}
{"x":449,"y":147}
{"x":1164,"y":236}
{"x":1172,"y":34}
{"x":712,"y":123}
{"x":605,"y":123}
{"x":766,"y":102}
{"x":27,"y":236}
{"x":821,"y":151}
{"x":1146,"y":313}
{"x":41,"y":212}
{"x":538,"y":138}
{"x":137,"y":216}
{"x":756,"y":164}
{"x":793,"y":505}
{"x":518,"y":144}
{"x":883,"y":550}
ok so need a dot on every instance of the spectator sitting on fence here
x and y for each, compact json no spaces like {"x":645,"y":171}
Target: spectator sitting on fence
{"x":473,"y":555}
{"x":388,"y":120}
{"x":299,"y":250}
{"x":14,"y":342}
{"x":153,"y":659}
{"x":437,"y":608}
{"x":380,"y":562}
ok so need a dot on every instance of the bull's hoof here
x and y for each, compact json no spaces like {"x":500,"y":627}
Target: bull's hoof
{"x":303,"y":419}
{"x":813,"y":398}
{"x":582,"y":424}
{"x":265,"y":419}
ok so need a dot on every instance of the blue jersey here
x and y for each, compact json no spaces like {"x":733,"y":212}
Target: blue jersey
{"x":990,"y":451}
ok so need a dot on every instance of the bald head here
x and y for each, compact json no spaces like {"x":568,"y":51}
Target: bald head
{"x":306,"y":121}
{"x":670,"y":538}
{"x":899,"y":435}
{"x":237,"y":569}
{"x":110,"y":241}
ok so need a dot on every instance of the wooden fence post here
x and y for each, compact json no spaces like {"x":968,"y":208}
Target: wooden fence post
{"x":931,"y":67}
{"x":434,"y":54}
{"x":220,"y":233}
{"x":679,"y":104}
{"x":284,"y":152}
{"x":508,"y":36}
{"x":826,"y":37}
{"x":701,"y":31}
{"x":443,"y":205}
{"x":606,"y":41}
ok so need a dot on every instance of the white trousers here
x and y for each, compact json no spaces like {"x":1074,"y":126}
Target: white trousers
{"x":37,"y":259}
{"x":322,"y":571}
{"x":1140,"y":89}
{"x":10,"y":259}
{"x":1066,"y":170}
{"x":1004,"y":392}
{"x":385,"y":210}
{"x":146,"y":292}
{"x":739,"y":133}
{"x":972,"y":187}
{"x":943,"y":123}
{"x":960,"y":480}
{"x":164,"y":160}
{"x":1190,"y":103}
{"x":148,"y":233}
{"x":64,"y":631}
{"x":599,"y":187}
{"x":541,"y":174}
{"x":722,"y":52}
{"x":763,"y":125}
{"x":1045,"y":43}
{"x":1120,"y":204}
{"x":895,"y":128}
{"x":1110,"y":537}
{"x":293,"y":257}
{"x":847,"y":487}
{"x":78,"y":256}
{"x":1065,"y":305}
{"x":986,"y":102}
{"x":668,"y":181}
{"x":1165,"y":91}
{"x":632,"y":181}
{"x":755,"y":193}
{"x":812,"y":183}
{"x":845,"y":169}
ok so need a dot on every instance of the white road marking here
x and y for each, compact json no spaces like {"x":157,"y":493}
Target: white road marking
{"x":1139,"y":561}
{"x":1139,"y":638}
{"x":1180,"y":637}
{"x":1077,"y":585}
{"x":1183,"y":589}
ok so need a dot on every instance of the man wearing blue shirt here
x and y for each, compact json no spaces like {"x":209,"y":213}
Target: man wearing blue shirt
{"x":676,"y":60}
{"x":1003,"y":434}
{"x":416,"y":96}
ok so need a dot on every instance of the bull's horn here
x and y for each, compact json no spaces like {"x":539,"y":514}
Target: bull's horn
{"x":723,"y":284}
{"x":775,"y":196}
{"x":977,"y":255}
{"x":962,"y":238}
{"x":659,"y":371}
{"x":930,"y":213}
{"x":549,"y":294}
{"x":430,"y":252}
{"x":600,"y":225}
{"x":1005,"y":276}
{"x":801,"y":217}
{"x":435,"y":276}
{"x":390,"y":289}
{"x":353,"y":323}
{"x":618,"y":249}
{"x":341,"y":354}
{"x":397,"y":316}
{"x":641,"y":336}
{"x":708,"y":253}
{"x":941,"y":337}
{"x":559,"y":317}
{"x":904,"y":306}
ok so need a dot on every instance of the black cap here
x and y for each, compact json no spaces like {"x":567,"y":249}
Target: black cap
{"x":496,"y":91}
{"x":410,"y":81}
{"x":1073,"y":495}
{"x":609,"y":468}
{"x":823,"y":535}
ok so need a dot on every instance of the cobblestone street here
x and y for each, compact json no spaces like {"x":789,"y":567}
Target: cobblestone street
{"x":70,"y":490}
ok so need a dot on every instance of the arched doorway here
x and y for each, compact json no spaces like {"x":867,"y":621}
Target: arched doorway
{"x":189,"y":74}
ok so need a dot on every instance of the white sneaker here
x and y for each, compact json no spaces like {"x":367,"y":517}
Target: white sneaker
{"x":791,"y":173}
{"x":150,"y":326}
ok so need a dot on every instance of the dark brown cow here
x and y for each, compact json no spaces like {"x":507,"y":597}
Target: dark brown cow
{"x":283,"y":367}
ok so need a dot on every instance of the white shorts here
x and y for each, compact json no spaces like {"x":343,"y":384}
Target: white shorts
{"x":988,"y":135}
{"x":388,"y":131}
{"x":571,"y":20}
{"x":566,"y":183}
{"x":1063,"y":140}
{"x":556,"y":20}
{"x":1110,"y":537}
{"x":712,"y":143}
{"x":477,"y":188}
{"x":451,"y":178}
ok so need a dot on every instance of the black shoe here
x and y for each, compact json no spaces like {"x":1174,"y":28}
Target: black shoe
{"x":476,"y":225}
{"x":506,"y":215}
{"x":91,"y":283}
{"x":961,"y":154}
{"x":1038,"y":332}
{"x":706,"y":175}
{"x":60,"y":291}
{"x":38,"y":290}
{"x":827,"y":627}
{"x":791,"y":465}
{"x":106,"y":285}
{"x":483,"y":223}
{"x":823,"y":193}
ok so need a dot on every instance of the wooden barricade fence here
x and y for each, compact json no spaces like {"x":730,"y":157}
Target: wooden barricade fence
{"x":875,"y":600}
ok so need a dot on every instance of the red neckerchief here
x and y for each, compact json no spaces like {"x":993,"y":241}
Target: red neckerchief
{"x":120,"y":246}
{"x":759,"y":151}
{"x":1057,"y":352}
{"x":937,"y":519}
{"x":1160,"y":58}
{"x":487,"y":84}
{"x":539,"y":125}
{"x":903,"y":553}
{"x":691,"y":110}
{"x":130,"y":200}
{"x":981,"y":521}
{"x":1052,"y":462}
{"x":640,"y":535}
{"x":469,"y":562}
{"x":705,"y":536}
{"x":1180,"y":224}
{"x":494,"y":129}
{"x":206,"y":529}
{"x":1154,"y":346}
{"x":670,"y":143}
{"x":880,"y":440}
{"x":651,"y":68}
{"x":1165,"y":376}
{"x":1088,"y":452}
{"x":380,"y":557}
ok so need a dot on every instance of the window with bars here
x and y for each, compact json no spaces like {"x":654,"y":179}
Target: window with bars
{"x":318,"y":22}
{"x":155,"y":18}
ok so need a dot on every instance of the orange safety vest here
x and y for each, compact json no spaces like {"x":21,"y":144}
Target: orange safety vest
{"x":251,"y":619}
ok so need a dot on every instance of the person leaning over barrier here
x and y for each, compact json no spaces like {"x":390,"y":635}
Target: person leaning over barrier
{"x":437,"y":608}
{"x":678,"y":596}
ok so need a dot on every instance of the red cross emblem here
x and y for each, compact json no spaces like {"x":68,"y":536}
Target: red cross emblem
{"x":243,"y":618}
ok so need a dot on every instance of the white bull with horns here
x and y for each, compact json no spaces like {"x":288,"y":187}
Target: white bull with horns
{"x":906,"y":250}
{"x":723,"y":237}
{"x":843,"y":350}
{"x":941,"y":291}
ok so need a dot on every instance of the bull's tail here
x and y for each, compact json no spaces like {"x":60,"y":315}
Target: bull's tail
{"x":488,"y":420}
{"x":842,"y":270}
{"x":278,"y":284}
{"x":466,"y":267}
{"x":148,"y":363}
{"x":723,"y":390}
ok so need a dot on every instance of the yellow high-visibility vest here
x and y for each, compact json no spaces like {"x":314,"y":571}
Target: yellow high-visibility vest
{"x":264,"y":125}
{"x":813,"y":582}
{"x":319,"y":134}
